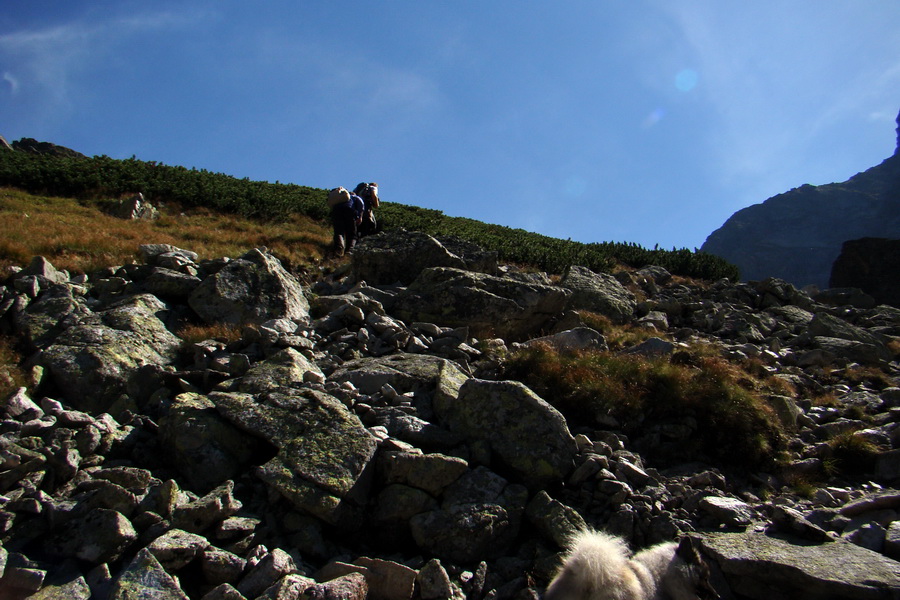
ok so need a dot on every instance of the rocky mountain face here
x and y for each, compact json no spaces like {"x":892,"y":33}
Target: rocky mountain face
{"x":797,"y":235}
{"x":356,"y":441}
{"x":871,"y":265}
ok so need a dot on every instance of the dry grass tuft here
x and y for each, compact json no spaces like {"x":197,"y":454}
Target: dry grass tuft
{"x":79,"y":237}
{"x":12,"y":376}
{"x":734,"y":424}
{"x":222,"y":332}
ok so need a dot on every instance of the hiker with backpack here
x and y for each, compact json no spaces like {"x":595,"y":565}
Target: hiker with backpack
{"x":369,"y":194}
{"x":346,"y":215}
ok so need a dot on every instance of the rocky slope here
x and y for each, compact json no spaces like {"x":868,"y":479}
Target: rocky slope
{"x":355,"y":441}
{"x":797,"y":235}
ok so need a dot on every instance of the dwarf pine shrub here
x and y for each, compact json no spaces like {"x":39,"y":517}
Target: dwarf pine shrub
{"x":105,"y":177}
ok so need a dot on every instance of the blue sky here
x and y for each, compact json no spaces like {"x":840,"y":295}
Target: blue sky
{"x":647,"y":121}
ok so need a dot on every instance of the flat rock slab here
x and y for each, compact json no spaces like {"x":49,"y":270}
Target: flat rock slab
{"x":757,"y":565}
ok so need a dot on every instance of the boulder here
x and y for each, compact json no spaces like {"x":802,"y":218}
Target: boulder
{"x":251,"y":289}
{"x":176,"y":548}
{"x":57,"y":308}
{"x":555,"y":521}
{"x":144,"y":577}
{"x":323,"y":448}
{"x":170,"y":284}
{"x":598,"y":292}
{"x":398,"y":257}
{"x":499,"y":306}
{"x":570,"y":340}
{"x":134,"y":207}
{"x":526,"y":434}
{"x":431,"y":473}
{"x":761,"y":567}
{"x":93,"y":361}
{"x":465,"y":533}
{"x":100,"y":536}
{"x":403,"y":372}
{"x":282,"y":369}
{"x":206,"y":449}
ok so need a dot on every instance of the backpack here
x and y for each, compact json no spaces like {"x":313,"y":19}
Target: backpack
{"x":369,"y":193}
{"x":372,"y":193}
{"x":338,"y":196}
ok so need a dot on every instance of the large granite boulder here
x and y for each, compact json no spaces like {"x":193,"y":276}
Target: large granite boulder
{"x":55,"y":309}
{"x":480,"y":517}
{"x":323,"y":448}
{"x":399,"y":257}
{"x":420,"y":374}
{"x":93,"y":361}
{"x":501,"y":306}
{"x":527,"y":436}
{"x":206,"y":449}
{"x":870,"y":264}
{"x":761,"y":567}
{"x":279,"y":370}
{"x":598,"y":292}
{"x":251,"y":289}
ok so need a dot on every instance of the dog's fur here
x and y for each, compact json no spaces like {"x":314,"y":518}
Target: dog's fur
{"x":599,"y":566}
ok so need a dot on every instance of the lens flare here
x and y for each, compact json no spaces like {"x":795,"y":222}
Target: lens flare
{"x":686,"y":80}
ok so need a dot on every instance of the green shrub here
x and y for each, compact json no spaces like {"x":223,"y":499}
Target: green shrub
{"x":104,"y":177}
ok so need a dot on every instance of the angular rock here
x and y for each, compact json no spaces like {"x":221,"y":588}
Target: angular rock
{"x":94,"y":361}
{"x":429,"y":472}
{"x":729,"y":511}
{"x":526,"y":434}
{"x":323,"y":448}
{"x":465,"y":532}
{"x":220,"y":566}
{"x":145,"y":578}
{"x":55,"y":310}
{"x":176,"y":548}
{"x":170,"y":284}
{"x":200,"y":514}
{"x":554,"y":520}
{"x":762,"y":567}
{"x":399,"y":257}
{"x":434,"y":583}
{"x":504,"y":306}
{"x":134,"y":208}
{"x":205,"y":448}
{"x":102,"y":535}
{"x":282,"y":369}
{"x":251,"y":289}
{"x":406,"y":373}
{"x":352,"y":586}
{"x":266,"y":573}
{"x":580,"y":338}
{"x":598,"y":292}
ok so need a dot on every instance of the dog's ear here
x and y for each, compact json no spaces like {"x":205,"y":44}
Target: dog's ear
{"x":689,"y":550}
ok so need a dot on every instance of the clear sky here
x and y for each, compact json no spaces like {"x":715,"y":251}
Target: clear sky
{"x":647,"y":121}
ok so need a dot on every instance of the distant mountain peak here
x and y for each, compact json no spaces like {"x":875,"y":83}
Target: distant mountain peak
{"x":797,"y":235}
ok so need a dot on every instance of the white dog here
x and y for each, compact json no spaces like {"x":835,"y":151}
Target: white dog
{"x":599,"y":566}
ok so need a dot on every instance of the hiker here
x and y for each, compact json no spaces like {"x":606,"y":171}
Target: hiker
{"x":369,"y":194}
{"x":346,"y":215}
